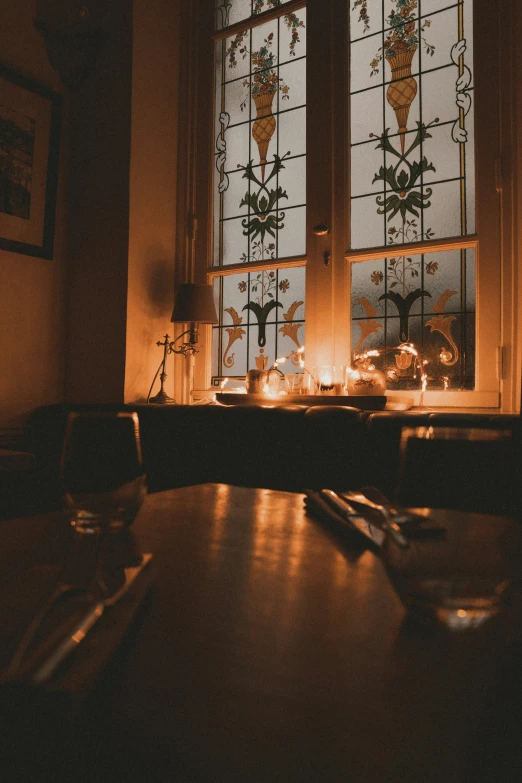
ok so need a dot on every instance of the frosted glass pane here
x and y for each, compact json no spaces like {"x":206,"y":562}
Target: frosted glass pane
{"x":237,"y":139}
{"x":426,"y":300}
{"x":293,"y":178}
{"x":448,"y":160}
{"x":292,"y":35}
{"x":366,"y":160}
{"x":261,"y":319}
{"x":439,"y":53}
{"x":366,"y":112}
{"x":438,"y":97}
{"x":291,"y":241}
{"x":292,"y":74}
{"x":468,"y":165}
{"x":235,"y":245}
{"x":237,"y":61}
{"x":444,"y":214}
{"x":236,"y":104}
{"x":368,"y":227}
{"x":231,"y":11}
{"x":361,"y":12}
{"x":292,"y":131}
{"x":362,"y":54}
{"x":232,"y":197}
{"x":259,"y":130}
{"x":421,"y":119}
{"x":430,"y":6}
{"x":365,"y":279}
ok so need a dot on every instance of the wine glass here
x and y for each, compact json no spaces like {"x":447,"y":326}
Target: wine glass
{"x":102,"y":471}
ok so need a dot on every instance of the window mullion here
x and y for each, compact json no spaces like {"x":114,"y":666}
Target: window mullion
{"x":319,"y":278}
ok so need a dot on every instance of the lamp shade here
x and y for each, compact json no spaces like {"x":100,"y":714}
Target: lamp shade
{"x":195,"y":302}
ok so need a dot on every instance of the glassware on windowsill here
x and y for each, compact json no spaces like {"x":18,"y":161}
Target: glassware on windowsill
{"x":328,"y":380}
{"x":102,"y":470}
{"x":296,"y":383}
{"x":364,"y":379}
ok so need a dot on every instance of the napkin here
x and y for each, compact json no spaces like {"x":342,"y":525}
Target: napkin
{"x":362,"y":526}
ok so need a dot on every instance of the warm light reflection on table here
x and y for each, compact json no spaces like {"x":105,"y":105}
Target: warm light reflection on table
{"x":279,"y":651}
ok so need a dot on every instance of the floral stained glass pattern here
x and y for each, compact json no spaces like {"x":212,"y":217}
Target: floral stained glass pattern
{"x":425,"y":300}
{"x":259,"y":178}
{"x":412,"y":180}
{"x":411,"y":108}
{"x":260,"y":142}
{"x":261,"y":319}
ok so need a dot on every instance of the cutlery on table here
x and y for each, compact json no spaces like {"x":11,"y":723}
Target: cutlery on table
{"x":95,"y":577}
{"x":343,"y":519}
{"x":387,"y":521}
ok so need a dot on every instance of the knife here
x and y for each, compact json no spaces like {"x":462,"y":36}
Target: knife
{"x":43,"y":665}
{"x":345,"y":519}
{"x":98,"y":572}
{"x":387,"y":522}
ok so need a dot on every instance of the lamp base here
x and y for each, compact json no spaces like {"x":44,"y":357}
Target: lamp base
{"x":161,"y":398}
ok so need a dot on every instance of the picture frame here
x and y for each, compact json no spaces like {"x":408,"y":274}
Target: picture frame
{"x":30,"y":124}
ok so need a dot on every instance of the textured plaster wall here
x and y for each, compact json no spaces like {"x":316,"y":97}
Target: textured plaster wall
{"x":152,"y":203}
{"x":31,"y":289}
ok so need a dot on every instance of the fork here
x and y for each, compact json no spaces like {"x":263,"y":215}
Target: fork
{"x":389,"y":524}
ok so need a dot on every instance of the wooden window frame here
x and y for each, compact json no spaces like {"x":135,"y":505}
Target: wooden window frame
{"x":328,"y":321}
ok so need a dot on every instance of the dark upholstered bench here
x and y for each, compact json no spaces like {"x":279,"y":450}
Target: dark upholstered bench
{"x":289,"y":447}
{"x":18,"y":475}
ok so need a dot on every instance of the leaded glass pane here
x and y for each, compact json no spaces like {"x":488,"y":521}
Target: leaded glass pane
{"x":427,"y":300}
{"x":261,"y":319}
{"x":412,"y":119}
{"x":231,"y":11}
{"x":260,"y":170}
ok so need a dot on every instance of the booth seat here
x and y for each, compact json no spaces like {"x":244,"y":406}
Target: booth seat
{"x":288,"y":447}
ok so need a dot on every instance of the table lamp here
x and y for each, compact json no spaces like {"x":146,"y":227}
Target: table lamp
{"x":194,"y":305}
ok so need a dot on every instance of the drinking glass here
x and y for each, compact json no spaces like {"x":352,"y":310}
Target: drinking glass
{"x":328,"y":380}
{"x":295,"y":383}
{"x":103,"y":478}
{"x":463,"y":577}
{"x":462,"y":468}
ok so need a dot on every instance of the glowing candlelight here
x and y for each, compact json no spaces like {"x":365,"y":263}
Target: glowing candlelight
{"x":325,"y":377}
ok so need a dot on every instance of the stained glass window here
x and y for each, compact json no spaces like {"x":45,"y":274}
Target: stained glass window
{"x":412,"y":156}
{"x":427,"y":301}
{"x":413,"y":180}
{"x":262,"y":319}
{"x":259,"y":182}
{"x":230,"y":12}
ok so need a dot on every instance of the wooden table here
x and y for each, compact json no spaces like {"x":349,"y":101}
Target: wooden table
{"x":271,"y":651}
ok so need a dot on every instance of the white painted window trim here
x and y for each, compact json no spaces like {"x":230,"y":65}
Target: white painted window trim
{"x":499,"y":287}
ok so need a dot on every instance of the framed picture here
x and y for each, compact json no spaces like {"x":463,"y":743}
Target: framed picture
{"x":30,"y":120}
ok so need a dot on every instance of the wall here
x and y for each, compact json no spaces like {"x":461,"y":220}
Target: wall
{"x":83,"y":327}
{"x":152,"y":201}
{"x":31,"y":289}
{"x":98,"y":226}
